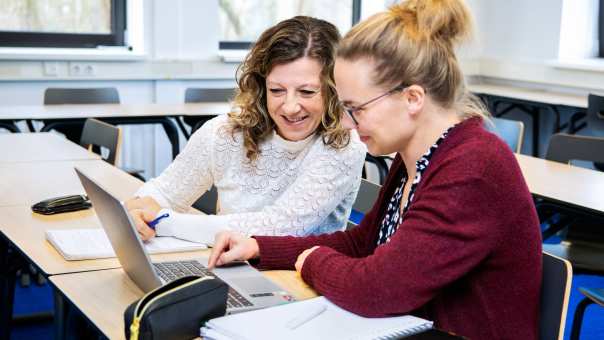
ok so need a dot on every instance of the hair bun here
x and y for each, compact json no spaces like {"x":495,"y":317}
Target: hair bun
{"x":445,"y":20}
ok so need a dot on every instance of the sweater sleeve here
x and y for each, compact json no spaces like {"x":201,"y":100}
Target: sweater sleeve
{"x":189,"y":175}
{"x":450,"y":228}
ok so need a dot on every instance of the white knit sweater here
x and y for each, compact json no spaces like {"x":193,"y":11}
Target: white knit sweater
{"x":293,"y":188}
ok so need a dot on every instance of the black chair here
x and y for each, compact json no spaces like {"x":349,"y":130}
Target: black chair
{"x":56,"y":96}
{"x":208,"y":202}
{"x":201,"y":95}
{"x":97,"y":134}
{"x":381,"y":163}
{"x":556,"y":281}
{"x":592,"y":295}
{"x":583,"y":241}
{"x":594,"y":116}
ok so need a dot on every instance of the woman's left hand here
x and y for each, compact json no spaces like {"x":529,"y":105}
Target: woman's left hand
{"x":302,"y":258}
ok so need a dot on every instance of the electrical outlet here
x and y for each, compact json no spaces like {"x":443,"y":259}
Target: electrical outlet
{"x":51,"y":68}
{"x":82,"y":70}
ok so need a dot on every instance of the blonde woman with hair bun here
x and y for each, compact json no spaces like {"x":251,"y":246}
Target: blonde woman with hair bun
{"x":453,"y":236}
{"x":281,"y":162}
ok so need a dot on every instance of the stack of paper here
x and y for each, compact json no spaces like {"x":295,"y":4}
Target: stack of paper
{"x":311,"y":319}
{"x":84,"y":244}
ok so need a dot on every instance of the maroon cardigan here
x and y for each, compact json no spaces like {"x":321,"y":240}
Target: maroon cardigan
{"x":467,"y":255}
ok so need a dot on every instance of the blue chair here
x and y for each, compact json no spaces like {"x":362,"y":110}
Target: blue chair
{"x":511,"y":131}
{"x":368,"y":193}
{"x":593,"y":295}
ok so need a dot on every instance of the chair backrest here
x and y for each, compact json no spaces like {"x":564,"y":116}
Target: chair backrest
{"x":511,"y":131}
{"x":208,"y":202}
{"x":564,"y":148}
{"x":595,"y":112}
{"x":368,"y":193}
{"x":102,"y":95}
{"x":100,"y":134}
{"x":200,"y":95}
{"x":555,"y":290}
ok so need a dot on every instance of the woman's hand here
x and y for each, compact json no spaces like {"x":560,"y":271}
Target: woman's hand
{"x":302,"y":258}
{"x":140,"y":217}
{"x":231,"y":246}
{"x":143,"y":210}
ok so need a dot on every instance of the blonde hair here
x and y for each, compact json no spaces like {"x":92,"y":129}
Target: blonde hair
{"x":413,"y":43}
{"x":283,"y":43}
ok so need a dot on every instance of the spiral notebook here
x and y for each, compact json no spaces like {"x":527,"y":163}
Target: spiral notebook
{"x":310,"y":319}
{"x":84,"y":244}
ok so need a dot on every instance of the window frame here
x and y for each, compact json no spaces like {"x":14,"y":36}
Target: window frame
{"x":246,"y":45}
{"x":117,"y":37}
{"x":601,"y":29}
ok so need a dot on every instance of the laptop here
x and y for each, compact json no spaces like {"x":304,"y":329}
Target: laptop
{"x":248,"y":288}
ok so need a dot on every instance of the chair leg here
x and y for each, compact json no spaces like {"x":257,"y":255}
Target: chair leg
{"x":578,"y":318}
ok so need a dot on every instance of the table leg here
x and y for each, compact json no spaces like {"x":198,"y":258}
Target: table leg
{"x":172,"y":133}
{"x":10,"y":126}
{"x":60,"y":315}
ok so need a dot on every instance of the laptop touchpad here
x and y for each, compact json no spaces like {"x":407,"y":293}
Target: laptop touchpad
{"x":253,"y":285}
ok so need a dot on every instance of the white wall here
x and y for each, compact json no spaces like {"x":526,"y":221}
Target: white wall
{"x":520,"y":29}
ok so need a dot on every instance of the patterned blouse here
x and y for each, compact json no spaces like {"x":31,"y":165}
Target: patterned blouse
{"x":394,"y":217}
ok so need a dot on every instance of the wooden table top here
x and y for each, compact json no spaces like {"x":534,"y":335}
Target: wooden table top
{"x":104,"y":295}
{"x":572,"y":185}
{"x":35,"y":147}
{"x":16,"y":112}
{"x":25,"y":183}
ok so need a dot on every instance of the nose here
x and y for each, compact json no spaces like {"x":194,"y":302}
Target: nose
{"x":291,"y":104}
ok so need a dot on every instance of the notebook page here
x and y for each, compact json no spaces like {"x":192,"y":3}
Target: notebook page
{"x":82,"y":244}
{"x":333,"y":323}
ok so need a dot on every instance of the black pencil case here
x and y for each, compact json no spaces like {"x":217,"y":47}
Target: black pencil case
{"x":62,"y":204}
{"x":177,"y":309}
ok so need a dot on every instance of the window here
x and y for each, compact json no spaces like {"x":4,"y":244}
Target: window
{"x":242,"y":21}
{"x":601,"y":29}
{"x":62,"y":23}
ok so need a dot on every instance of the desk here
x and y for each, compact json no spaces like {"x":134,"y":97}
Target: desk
{"x":103,"y":296}
{"x":575,"y":189}
{"x":564,"y":184}
{"x":33,"y":147}
{"x":530,"y":101}
{"x":116,"y":114}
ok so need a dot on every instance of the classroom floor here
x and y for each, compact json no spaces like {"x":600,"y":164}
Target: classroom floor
{"x":39,"y":299}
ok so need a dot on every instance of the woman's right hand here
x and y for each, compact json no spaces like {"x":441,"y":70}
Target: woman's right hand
{"x":231,"y":246}
{"x":143,"y":210}
{"x":141,"y":217}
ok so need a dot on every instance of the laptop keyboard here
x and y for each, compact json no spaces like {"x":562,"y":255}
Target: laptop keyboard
{"x":170,"y":271}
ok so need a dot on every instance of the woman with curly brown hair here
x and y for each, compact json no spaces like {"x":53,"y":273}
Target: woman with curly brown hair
{"x":282,"y":162}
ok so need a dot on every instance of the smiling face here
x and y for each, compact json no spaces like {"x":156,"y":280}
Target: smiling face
{"x":384,"y":125}
{"x":294,"y":98}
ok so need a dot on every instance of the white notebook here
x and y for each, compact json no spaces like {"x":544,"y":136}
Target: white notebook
{"x":310,"y":319}
{"x":85,"y":244}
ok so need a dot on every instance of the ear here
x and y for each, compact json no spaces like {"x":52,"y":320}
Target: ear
{"x":416,"y":97}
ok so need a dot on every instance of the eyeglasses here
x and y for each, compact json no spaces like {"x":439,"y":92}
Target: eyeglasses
{"x":350,"y":110}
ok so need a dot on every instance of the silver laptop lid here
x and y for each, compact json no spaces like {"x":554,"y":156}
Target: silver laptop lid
{"x":121,"y":233}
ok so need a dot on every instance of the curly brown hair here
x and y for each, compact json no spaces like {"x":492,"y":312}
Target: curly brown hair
{"x":287,"y":41}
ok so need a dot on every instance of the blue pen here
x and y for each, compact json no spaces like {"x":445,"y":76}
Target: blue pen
{"x":153,"y":223}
